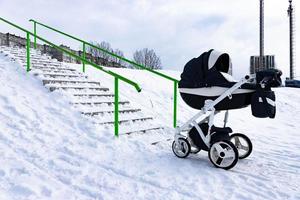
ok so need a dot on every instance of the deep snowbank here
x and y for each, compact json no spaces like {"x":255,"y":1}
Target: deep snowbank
{"x":49,"y":151}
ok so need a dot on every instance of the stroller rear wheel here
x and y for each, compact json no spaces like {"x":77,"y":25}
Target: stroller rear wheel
{"x":182,"y":149}
{"x":242,"y":143}
{"x":223,"y":154}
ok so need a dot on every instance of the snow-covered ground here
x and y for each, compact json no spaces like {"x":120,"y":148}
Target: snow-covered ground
{"x":49,"y":151}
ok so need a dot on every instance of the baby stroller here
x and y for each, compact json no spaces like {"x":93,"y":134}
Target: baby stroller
{"x":206,"y":85}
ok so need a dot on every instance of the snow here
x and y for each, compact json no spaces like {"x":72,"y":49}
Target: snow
{"x":48,"y":150}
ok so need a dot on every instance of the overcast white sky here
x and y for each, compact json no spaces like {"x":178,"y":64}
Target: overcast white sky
{"x":177,"y":30}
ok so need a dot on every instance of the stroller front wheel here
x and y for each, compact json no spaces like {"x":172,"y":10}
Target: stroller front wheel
{"x":242,"y":143}
{"x":182,"y":149}
{"x":223,"y":154}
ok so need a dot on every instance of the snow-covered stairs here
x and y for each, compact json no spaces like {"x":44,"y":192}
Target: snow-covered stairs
{"x":89,"y":97}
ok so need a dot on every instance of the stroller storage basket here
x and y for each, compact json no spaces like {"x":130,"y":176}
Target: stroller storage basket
{"x":263,"y":104}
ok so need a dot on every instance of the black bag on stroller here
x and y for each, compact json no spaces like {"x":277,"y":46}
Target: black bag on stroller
{"x":263,"y":100}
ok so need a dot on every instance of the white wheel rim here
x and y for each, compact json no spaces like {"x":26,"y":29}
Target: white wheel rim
{"x":241,"y":144}
{"x":222,"y":154}
{"x":181,"y":149}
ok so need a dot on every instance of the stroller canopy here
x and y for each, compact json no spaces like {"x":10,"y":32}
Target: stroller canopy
{"x":209,"y":69}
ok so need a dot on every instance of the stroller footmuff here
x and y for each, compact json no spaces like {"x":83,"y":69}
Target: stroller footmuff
{"x":206,"y":85}
{"x":263,"y":104}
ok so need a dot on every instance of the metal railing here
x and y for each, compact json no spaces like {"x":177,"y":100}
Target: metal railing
{"x":116,"y":76}
{"x":84,"y":44}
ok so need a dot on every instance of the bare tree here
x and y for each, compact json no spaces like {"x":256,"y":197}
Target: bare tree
{"x":148,"y":58}
{"x":117,"y":60}
{"x":106,"y":46}
{"x":93,"y":51}
{"x":100,"y":54}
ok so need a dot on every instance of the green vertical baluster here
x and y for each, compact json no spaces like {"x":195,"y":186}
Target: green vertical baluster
{"x":28,"y":52}
{"x":83,"y":56}
{"x":175,"y":104}
{"x":116,"y":107}
{"x":34,"y":30}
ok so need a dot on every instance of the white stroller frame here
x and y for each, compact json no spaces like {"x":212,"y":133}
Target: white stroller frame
{"x":209,"y":111}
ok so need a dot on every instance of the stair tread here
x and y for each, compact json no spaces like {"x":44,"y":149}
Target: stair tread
{"x":97,"y":102}
{"x":76,"y":86}
{"x":92,"y":94}
{"x":139,"y":130}
{"x":52,"y":88}
{"x":69,"y":80}
{"x":53,"y":68}
{"x":125,"y":120}
{"x":64,"y":74}
{"x":110,"y":111}
{"x":39,"y":71}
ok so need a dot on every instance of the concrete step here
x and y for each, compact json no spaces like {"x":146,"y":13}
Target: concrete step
{"x":35,"y":58}
{"x":50,"y":68}
{"x":93,"y":95}
{"x":42,"y":64}
{"x":140,"y":130}
{"x":61,"y":81}
{"x":55,"y":70}
{"x":125,"y":110}
{"x":38,"y":60}
{"x":121,"y":121}
{"x":57,"y":87}
{"x":23,"y":54}
{"x":58,"y":75}
{"x":100,"y":102}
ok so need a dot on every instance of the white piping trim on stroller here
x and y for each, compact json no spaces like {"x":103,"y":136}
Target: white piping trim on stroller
{"x":213,"y":57}
{"x":269,"y":101}
{"x":228,"y":77}
{"x":212,"y":91}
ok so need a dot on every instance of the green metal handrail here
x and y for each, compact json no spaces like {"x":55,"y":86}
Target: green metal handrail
{"x":175,"y":81}
{"x":116,"y":76}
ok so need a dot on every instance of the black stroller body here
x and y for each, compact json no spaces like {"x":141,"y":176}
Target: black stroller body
{"x":206,"y":85}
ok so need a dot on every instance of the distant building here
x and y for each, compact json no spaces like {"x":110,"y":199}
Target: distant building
{"x":268,"y":62}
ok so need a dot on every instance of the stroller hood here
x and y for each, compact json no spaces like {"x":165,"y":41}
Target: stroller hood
{"x":206,"y":70}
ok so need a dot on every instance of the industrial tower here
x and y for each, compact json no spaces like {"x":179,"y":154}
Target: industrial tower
{"x":261,"y":34}
{"x":292,"y":40}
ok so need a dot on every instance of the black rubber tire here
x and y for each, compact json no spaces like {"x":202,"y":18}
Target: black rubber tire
{"x":187,"y":151}
{"x":249,"y":143}
{"x":236,"y":155}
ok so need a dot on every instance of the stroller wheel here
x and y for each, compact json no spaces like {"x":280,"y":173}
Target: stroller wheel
{"x":223,"y":154}
{"x":182,"y":149}
{"x":242,"y":143}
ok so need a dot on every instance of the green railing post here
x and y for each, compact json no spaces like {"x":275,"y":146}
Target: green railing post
{"x":34,"y":31}
{"x":28,"y":51}
{"x":116,"y":106}
{"x":175,"y":104}
{"x":84,"y":57}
